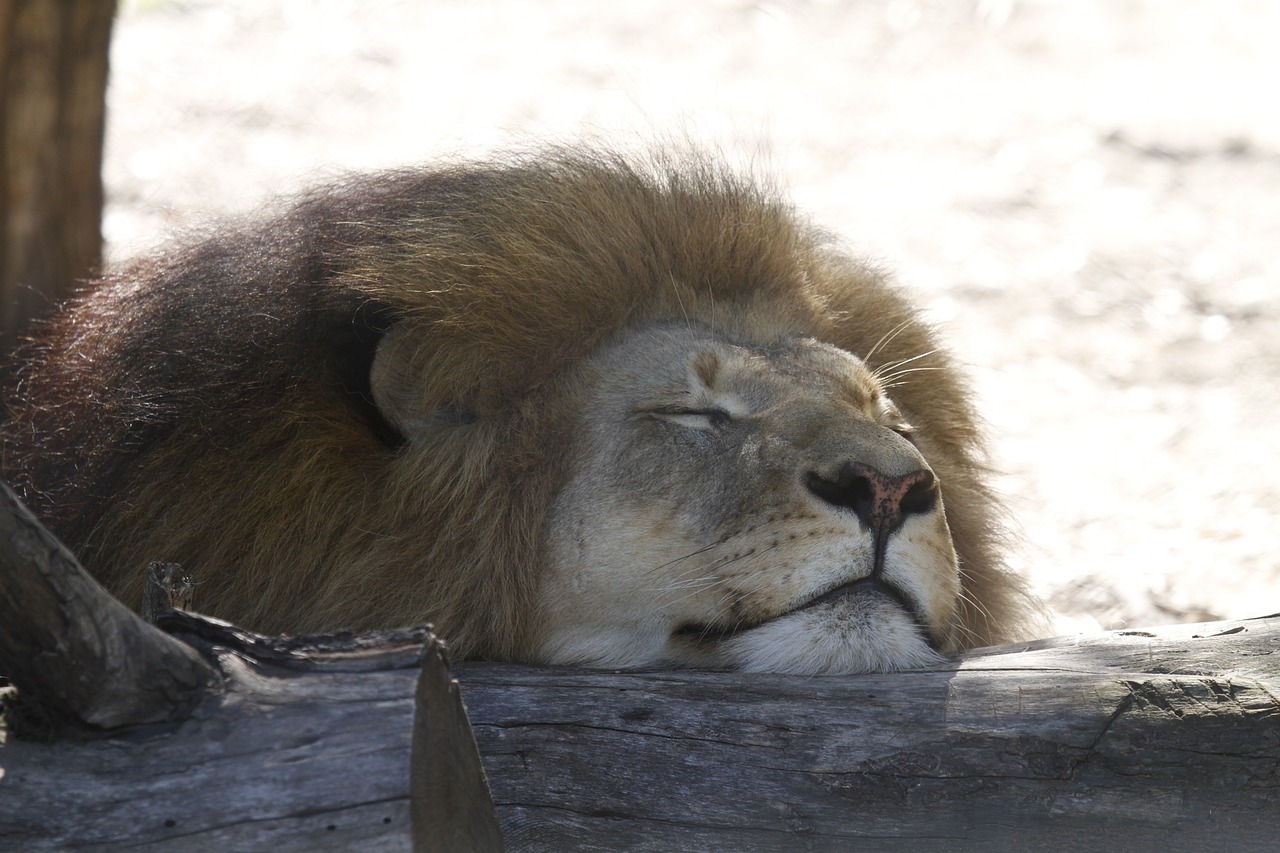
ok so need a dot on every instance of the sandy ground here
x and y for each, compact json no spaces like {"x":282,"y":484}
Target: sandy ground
{"x":1085,"y":193}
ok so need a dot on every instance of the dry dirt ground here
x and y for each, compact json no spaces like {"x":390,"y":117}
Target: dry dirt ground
{"x":1084,"y":193}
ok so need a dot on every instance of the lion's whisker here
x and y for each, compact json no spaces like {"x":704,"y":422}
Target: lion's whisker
{"x":888,"y":367}
{"x":975,"y":605}
{"x":897,"y":373}
{"x":899,"y":384}
{"x":886,"y":339}
{"x":704,"y":549}
{"x":695,"y":584}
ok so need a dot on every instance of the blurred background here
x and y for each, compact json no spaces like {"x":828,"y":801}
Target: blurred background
{"x":1084,"y":194}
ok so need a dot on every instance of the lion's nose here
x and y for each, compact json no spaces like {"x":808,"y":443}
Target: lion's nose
{"x":880,"y":501}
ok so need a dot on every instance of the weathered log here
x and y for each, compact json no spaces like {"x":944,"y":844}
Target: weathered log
{"x":308,"y":748}
{"x":83,"y":664}
{"x":82,"y":657}
{"x":1167,"y":739}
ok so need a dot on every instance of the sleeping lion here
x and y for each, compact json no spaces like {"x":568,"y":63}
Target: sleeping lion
{"x":572,"y":408}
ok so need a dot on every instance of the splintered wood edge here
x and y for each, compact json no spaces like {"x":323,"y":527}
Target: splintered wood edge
{"x":346,"y":651}
{"x":450,"y":803}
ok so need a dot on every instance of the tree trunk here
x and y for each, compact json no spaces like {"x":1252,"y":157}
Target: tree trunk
{"x":53,"y":77}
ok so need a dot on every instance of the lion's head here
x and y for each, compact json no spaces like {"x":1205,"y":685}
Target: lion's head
{"x":757,"y":506}
{"x":570,"y":408}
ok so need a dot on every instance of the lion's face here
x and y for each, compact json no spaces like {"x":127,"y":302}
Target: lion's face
{"x":748,"y":507}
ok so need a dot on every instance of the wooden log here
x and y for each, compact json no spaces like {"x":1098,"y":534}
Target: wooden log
{"x":288,"y":711}
{"x":306,"y":750}
{"x":81,"y":657}
{"x":1166,"y":739}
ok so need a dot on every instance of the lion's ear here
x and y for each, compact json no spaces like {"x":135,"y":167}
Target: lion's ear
{"x":396,"y":385}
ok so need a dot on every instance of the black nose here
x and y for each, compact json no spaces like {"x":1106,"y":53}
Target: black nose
{"x":879,"y":500}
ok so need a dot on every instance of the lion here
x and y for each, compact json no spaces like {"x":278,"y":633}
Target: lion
{"x":571,"y":407}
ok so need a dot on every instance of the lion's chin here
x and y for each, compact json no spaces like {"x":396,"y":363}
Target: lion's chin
{"x":856,"y":634}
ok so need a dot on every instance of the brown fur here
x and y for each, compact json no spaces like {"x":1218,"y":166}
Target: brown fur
{"x":211,"y":405}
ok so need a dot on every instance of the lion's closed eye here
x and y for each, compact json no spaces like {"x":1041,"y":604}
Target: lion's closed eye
{"x":693,"y":418}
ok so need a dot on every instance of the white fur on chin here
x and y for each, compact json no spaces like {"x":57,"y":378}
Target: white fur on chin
{"x":854,"y":636}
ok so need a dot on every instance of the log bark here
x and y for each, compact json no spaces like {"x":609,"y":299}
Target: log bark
{"x":311,"y":745}
{"x":306,"y":750}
